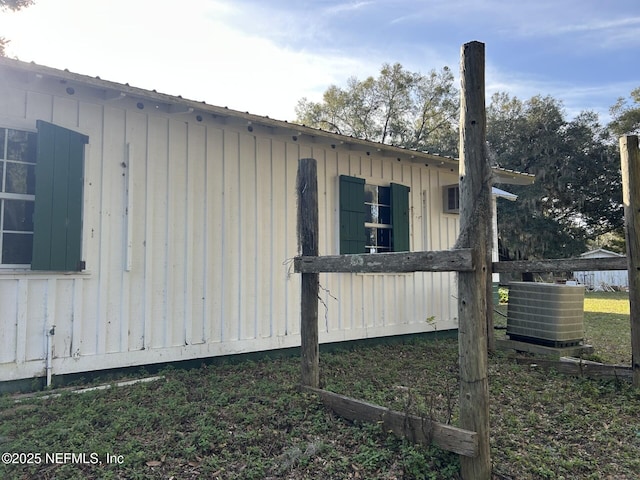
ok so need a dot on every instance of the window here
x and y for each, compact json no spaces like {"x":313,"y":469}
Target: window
{"x":373,"y":218}
{"x":377,"y":218}
{"x":17,"y":195}
{"x":451,"y":199}
{"x":41,"y":197}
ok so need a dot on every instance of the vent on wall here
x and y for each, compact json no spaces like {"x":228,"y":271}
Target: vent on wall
{"x":546,"y":313}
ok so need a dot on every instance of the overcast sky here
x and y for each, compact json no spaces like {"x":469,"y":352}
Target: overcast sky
{"x":262,"y":56}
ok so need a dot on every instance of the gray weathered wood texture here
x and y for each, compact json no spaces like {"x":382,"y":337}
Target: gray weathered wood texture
{"x":441,"y":261}
{"x":630,"y":160}
{"x":307,"y":189}
{"x":580,"y":368}
{"x":561,"y":265}
{"x":475,"y":233}
{"x":416,"y":429}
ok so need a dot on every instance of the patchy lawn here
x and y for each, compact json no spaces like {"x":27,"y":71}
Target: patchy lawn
{"x":249,"y":421}
{"x":607,"y":326}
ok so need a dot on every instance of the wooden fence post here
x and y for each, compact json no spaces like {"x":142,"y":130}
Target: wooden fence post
{"x":307,"y":190}
{"x":630,"y":160}
{"x":475,"y":233}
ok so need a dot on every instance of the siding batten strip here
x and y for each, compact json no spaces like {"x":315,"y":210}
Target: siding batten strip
{"x":167,"y":283}
{"x":100,"y":338}
{"x":207,"y":301}
{"x":49,"y":326}
{"x":125,"y":278}
{"x":22,"y":311}
{"x":223,"y":235}
{"x":270,"y":232}
{"x":148,"y":235}
{"x":189,"y":228}
{"x":76,"y":320}
{"x":128,"y":209}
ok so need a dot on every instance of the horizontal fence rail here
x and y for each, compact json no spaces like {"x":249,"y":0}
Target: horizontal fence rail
{"x":580,"y":368}
{"x":458,"y":260}
{"x":561,"y":265}
{"x":416,"y":429}
{"x":398,"y":262}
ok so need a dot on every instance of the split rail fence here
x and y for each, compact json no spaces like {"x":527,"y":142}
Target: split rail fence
{"x":471,"y":259}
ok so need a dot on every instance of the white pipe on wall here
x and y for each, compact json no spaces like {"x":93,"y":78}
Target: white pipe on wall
{"x":50,"y":333}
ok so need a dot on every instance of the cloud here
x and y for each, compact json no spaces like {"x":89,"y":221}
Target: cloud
{"x":602,"y":32}
{"x":346,"y":7}
{"x":262,"y":57}
{"x":194,"y":52}
{"x":597,"y":25}
{"x":597,"y":97}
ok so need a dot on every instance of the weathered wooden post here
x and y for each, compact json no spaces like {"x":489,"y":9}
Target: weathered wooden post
{"x":307,"y":189}
{"x":630,"y":159}
{"x":475,"y":233}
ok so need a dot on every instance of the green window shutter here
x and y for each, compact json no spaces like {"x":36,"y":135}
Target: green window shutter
{"x":352,"y":233}
{"x":399,"y":218}
{"x":57,"y":222}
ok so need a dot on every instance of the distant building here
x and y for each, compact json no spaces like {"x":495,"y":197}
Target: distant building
{"x":606,"y":279}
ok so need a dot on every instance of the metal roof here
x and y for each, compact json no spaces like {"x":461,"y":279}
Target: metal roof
{"x":297,"y":131}
{"x":600,"y":252}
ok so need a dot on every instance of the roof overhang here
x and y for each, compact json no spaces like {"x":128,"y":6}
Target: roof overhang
{"x":178,"y":105}
{"x":498,"y":193}
{"x":511,"y":177}
{"x":602,"y":252}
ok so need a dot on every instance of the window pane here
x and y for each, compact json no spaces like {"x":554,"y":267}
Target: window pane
{"x":384,"y":238}
{"x":370,"y":194}
{"x":16,"y":248}
{"x":371,"y":214}
{"x":384,"y":215}
{"x":372,"y":237}
{"x":18,"y":215}
{"x":21,"y":146}
{"x":378,"y":239}
{"x":3,"y":135}
{"x":21,"y":178}
{"x":454,"y":198}
{"x":378,"y":214}
{"x":384,"y":195}
{"x":1,"y":176}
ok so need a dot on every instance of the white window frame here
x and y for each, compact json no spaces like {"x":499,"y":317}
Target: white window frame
{"x":385,"y":226}
{"x":11,"y":196}
{"x":446,"y":208}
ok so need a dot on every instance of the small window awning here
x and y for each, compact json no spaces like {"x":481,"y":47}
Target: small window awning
{"x":496,"y":192}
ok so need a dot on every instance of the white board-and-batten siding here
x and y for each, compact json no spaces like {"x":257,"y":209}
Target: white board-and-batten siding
{"x":189,"y":228}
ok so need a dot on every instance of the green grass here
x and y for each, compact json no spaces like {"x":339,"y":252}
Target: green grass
{"x":607,"y":326}
{"x":250,"y":421}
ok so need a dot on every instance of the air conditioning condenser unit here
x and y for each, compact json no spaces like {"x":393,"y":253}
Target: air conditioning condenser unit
{"x":546,"y":313}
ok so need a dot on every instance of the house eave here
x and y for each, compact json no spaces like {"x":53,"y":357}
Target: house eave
{"x":171,"y":104}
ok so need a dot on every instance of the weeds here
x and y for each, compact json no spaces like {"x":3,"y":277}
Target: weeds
{"x":249,"y":421}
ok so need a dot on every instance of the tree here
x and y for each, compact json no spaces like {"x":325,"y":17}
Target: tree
{"x":577,"y":194}
{"x":398,"y":107}
{"x":626,"y":117}
{"x":13,"y":5}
